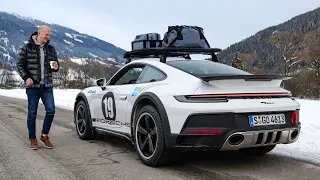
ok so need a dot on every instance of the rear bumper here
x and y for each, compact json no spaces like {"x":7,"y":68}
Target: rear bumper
{"x":247,"y":139}
{"x":233,"y":141}
{"x":236,"y":133}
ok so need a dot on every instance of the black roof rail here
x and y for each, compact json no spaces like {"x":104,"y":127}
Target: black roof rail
{"x":164,"y":52}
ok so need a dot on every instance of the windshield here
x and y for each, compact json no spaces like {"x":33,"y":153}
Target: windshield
{"x":206,"y":67}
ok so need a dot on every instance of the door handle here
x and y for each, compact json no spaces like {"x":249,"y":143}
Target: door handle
{"x":123,"y":97}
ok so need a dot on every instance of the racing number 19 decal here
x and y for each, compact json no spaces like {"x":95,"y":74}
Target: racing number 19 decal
{"x":109,"y":106}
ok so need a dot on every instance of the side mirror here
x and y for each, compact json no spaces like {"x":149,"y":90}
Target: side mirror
{"x":102,"y":82}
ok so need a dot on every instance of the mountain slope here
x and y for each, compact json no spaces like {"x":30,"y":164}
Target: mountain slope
{"x":259,"y":44}
{"x":15,"y":30}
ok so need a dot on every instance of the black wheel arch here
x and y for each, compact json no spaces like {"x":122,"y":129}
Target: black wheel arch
{"x":81,"y":97}
{"x":149,"y":98}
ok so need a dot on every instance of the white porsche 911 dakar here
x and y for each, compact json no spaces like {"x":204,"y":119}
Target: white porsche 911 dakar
{"x":167,"y":107}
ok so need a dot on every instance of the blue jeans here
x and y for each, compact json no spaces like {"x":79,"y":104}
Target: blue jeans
{"x":46,"y":95}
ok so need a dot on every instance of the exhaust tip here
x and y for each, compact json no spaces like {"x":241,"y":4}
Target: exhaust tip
{"x":294,"y":134}
{"x":236,"y":139}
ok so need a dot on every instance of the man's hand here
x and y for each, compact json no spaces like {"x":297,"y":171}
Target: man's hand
{"x":29,"y":82}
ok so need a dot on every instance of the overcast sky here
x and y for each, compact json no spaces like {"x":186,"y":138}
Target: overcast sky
{"x":225,"y":22}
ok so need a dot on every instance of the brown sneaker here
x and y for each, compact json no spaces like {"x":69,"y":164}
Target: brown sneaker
{"x":46,"y":142}
{"x":33,"y":144}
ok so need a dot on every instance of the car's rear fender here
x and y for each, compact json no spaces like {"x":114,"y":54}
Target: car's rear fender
{"x":151,"y":98}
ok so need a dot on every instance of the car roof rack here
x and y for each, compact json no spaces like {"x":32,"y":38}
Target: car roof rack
{"x":164,"y":52}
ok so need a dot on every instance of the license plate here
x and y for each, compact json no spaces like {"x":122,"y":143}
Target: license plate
{"x":267,"y":120}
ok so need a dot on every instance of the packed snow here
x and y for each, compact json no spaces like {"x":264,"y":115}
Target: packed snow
{"x":103,"y":63}
{"x":69,"y":35}
{"x":80,"y":61}
{"x":78,"y":40}
{"x":307,"y":148}
{"x":74,"y":36}
{"x":29,"y":19}
{"x":68,"y":42}
{"x":95,"y":56}
{"x":112,"y":60}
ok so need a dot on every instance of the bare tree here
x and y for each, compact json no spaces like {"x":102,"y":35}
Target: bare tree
{"x":102,"y":70}
{"x":237,"y":62}
{"x":62,"y":76}
{"x":311,"y":52}
{"x":311,"y":55}
{"x":248,"y":62}
{"x":72,"y":75}
{"x":288,"y":44}
{"x":7,"y":79}
{"x":10,"y":79}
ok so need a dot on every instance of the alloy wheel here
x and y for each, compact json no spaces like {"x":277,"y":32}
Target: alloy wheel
{"x":146,"y":135}
{"x":80,"y":120}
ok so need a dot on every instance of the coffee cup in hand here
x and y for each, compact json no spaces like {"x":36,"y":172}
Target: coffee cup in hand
{"x":53,"y":64}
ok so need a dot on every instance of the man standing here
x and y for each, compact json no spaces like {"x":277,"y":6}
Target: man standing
{"x":37,"y":60}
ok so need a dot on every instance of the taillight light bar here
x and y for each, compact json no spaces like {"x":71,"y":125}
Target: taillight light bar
{"x":281,"y":94}
{"x":222,"y":98}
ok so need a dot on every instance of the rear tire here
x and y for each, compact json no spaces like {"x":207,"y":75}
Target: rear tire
{"x":257,"y":151}
{"x":149,"y":138}
{"x":83,"y":127}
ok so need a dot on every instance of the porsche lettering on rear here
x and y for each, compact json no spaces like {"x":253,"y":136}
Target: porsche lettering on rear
{"x":268,"y":102}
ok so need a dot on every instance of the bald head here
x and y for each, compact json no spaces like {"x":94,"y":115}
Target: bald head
{"x":44,"y":33}
{"x":43,"y":28}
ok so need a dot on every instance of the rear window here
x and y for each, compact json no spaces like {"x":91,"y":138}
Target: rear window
{"x":206,"y":67}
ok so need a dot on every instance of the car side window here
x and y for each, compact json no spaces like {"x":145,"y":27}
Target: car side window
{"x":130,"y":77}
{"x":151,"y":74}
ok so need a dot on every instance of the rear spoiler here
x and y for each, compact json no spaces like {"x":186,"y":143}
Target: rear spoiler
{"x":208,"y":78}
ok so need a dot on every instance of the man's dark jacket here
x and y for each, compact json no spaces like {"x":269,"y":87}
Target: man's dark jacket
{"x":29,"y":66}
